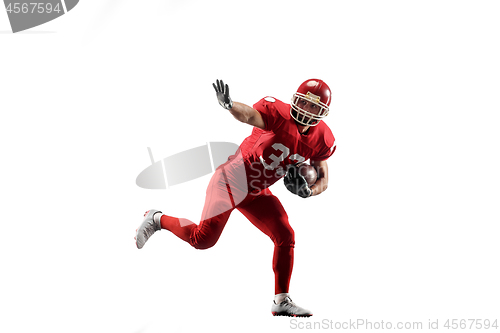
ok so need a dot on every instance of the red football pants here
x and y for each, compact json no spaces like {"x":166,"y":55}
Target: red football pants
{"x":263,"y":209}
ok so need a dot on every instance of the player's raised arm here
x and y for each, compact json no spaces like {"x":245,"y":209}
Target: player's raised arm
{"x":240,"y":111}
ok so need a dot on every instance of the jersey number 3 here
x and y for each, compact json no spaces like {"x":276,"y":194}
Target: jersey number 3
{"x":276,"y":160}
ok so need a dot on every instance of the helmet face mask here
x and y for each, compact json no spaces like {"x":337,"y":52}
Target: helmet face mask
{"x":315,"y":92}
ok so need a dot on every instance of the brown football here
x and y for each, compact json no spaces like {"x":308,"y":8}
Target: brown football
{"x":309,"y":173}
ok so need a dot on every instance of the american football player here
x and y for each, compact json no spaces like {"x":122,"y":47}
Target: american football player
{"x":283,"y":136}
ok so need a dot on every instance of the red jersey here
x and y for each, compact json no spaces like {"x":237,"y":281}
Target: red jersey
{"x":267,"y":153}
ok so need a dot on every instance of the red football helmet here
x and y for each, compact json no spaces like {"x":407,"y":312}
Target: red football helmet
{"x":314,"y":91}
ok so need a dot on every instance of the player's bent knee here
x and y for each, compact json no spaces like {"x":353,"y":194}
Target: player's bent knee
{"x":203,"y":244}
{"x":285,"y":238}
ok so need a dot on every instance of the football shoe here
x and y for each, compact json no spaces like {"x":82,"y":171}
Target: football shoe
{"x":149,"y":226}
{"x":289,"y":308}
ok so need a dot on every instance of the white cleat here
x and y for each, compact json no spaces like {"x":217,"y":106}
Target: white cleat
{"x":290,"y":309}
{"x":148,"y":227}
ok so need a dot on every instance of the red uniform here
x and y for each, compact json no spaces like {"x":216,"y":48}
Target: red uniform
{"x":268,"y":152}
{"x":243,"y":182}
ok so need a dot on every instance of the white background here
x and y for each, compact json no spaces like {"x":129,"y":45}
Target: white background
{"x":407,"y":231}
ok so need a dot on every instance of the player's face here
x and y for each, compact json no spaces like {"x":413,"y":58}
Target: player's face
{"x":308,"y":106}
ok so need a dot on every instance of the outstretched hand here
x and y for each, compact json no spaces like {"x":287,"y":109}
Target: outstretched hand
{"x":223,"y":94}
